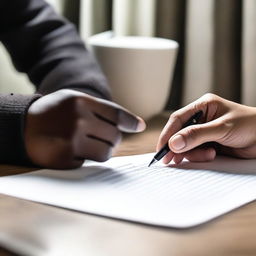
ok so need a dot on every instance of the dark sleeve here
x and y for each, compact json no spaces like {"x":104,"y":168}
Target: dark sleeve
{"x":13,"y":109}
{"x":47,"y":48}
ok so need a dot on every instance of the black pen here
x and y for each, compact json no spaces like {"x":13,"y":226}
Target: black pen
{"x":165,"y":149}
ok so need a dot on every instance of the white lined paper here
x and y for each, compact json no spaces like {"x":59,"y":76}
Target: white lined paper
{"x":125,"y":188}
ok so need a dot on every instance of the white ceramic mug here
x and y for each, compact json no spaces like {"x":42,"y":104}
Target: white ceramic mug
{"x":139,"y":70}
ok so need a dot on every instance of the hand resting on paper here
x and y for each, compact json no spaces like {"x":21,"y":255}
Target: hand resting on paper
{"x":231,"y":126}
{"x":66,"y":127}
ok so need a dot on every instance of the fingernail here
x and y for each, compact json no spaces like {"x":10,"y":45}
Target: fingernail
{"x":178,"y":142}
{"x":210,"y":153}
{"x":141,"y":125}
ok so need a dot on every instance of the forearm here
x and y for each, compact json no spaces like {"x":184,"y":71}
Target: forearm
{"x":49,"y":50}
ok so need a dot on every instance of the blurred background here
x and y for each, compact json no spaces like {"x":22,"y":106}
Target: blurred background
{"x":217,"y":41}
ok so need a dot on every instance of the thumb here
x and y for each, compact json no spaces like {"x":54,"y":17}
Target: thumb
{"x":129,"y":122}
{"x":196,"y":135}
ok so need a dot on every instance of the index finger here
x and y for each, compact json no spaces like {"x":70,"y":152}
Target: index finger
{"x":126,"y":120}
{"x":181,"y":116}
{"x":112,"y":112}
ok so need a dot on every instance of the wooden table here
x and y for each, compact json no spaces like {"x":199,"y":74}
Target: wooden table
{"x":29,"y":228}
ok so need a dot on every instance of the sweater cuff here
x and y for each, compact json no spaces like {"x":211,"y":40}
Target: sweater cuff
{"x":13,"y":110}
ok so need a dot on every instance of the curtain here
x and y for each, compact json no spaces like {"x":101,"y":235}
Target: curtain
{"x":217,"y":40}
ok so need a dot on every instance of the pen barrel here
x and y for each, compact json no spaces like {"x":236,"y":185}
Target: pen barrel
{"x":162,"y":152}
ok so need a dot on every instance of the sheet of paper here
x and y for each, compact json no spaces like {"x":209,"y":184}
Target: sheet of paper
{"x":125,"y":188}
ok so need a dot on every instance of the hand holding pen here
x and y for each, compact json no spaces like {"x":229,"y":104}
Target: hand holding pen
{"x":231,"y":125}
{"x":166,"y":149}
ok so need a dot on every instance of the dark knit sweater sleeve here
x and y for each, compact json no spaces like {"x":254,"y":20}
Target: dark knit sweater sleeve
{"x":46,"y":47}
{"x":13,"y":110}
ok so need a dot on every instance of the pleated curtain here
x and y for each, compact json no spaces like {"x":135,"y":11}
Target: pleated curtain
{"x":217,"y":40}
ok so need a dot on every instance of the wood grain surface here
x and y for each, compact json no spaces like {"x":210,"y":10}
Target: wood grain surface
{"x":28,"y":228}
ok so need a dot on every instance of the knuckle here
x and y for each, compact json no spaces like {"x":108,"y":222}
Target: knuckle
{"x":209,"y":96}
{"x":79,"y":125}
{"x":192,"y":133}
{"x":206,"y":102}
{"x":224,"y":129}
{"x":175,"y":118}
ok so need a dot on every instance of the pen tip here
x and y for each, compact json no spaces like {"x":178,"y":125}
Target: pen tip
{"x":153,"y":161}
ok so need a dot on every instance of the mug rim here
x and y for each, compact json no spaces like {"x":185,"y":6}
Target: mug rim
{"x":104,"y":40}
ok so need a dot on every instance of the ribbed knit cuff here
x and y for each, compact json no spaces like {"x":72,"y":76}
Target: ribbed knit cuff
{"x":13,"y":109}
